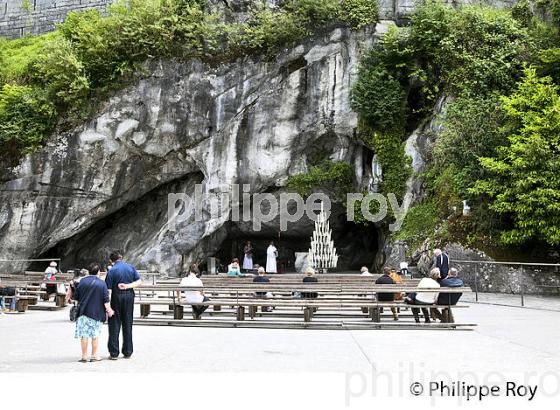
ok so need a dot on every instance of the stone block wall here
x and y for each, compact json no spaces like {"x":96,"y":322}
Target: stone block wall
{"x":21,"y":17}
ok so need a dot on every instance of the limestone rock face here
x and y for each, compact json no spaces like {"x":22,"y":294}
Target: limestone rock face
{"x":105,"y":184}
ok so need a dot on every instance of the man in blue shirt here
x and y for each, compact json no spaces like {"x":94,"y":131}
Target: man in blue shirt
{"x":121,"y":281}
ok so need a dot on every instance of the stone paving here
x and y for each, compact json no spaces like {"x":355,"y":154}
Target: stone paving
{"x":507,"y":339}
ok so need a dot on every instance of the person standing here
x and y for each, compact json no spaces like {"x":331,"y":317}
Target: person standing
{"x":271,"y":255}
{"x":248,"y":258}
{"x":441,"y":261}
{"x":93,"y":309}
{"x":121,"y":281}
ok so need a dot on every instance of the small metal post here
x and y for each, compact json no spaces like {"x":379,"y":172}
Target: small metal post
{"x":522,"y":287}
{"x":476,"y":281}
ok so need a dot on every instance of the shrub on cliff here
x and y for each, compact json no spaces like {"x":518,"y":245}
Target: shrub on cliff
{"x":26,"y":116}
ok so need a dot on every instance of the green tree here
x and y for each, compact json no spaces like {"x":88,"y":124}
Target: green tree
{"x":525,"y":181}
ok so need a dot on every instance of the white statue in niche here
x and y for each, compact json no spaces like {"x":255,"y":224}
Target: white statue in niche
{"x":466,"y":208}
{"x":376,"y":174}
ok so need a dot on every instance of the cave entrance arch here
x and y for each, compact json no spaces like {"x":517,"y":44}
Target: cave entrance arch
{"x":357,"y":245}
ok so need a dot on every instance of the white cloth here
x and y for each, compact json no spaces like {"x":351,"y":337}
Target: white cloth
{"x":367,"y":273}
{"x":49,"y":272}
{"x":248,"y":262}
{"x":271,"y":254}
{"x":193,"y":296}
{"x":427,"y":297}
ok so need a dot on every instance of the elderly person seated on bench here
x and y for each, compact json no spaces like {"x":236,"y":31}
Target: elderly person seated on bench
{"x":424,"y":298}
{"x":309,"y":278}
{"x":261,"y":278}
{"x":386,"y":279}
{"x":451,"y":281}
{"x":192,"y":297}
{"x":7,"y":291}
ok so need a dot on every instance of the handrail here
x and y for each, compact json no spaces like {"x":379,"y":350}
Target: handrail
{"x":505,"y":263}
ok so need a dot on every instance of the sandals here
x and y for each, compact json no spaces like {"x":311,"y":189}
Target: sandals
{"x":93,"y":359}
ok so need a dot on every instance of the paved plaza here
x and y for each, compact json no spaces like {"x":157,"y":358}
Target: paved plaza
{"x":510,"y":340}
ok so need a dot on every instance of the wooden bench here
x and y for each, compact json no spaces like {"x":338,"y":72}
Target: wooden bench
{"x":22,"y":303}
{"x":334,"y":297}
{"x":32,"y":291}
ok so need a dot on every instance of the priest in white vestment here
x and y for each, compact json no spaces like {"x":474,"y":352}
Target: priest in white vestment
{"x":271,"y":255}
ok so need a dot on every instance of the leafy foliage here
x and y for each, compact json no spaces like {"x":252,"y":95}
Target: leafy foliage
{"x":475,"y":57}
{"x":419,"y":223}
{"x":26,"y":115}
{"x":359,"y":13}
{"x":379,"y":97}
{"x":333,"y":177}
{"x":525,"y":182}
{"x":16,"y":56}
{"x":61,"y":74}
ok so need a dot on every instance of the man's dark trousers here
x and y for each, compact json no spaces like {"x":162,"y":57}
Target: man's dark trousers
{"x":122,"y":302}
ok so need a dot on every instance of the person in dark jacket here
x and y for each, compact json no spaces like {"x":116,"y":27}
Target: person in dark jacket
{"x":93,"y":297}
{"x":261,"y":278}
{"x":386,"y":279}
{"x":121,"y":281}
{"x":451,"y":281}
{"x":441,"y":261}
{"x":309,"y":278}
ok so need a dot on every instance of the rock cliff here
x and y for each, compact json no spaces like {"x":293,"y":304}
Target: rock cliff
{"x":256,"y":122}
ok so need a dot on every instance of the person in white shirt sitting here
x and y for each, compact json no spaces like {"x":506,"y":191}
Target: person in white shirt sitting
{"x":365,"y":271}
{"x":424,"y":298}
{"x":194,"y":296}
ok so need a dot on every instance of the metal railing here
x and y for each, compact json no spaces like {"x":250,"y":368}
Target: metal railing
{"x":524,"y":288}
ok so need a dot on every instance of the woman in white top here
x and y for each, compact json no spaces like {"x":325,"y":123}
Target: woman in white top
{"x":194,"y":296}
{"x":424,"y":298}
{"x":271,"y":255}
{"x":50,"y":276}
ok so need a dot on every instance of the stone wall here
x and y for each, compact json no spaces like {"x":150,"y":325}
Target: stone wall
{"x":488,"y":275}
{"x":21,"y":17}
